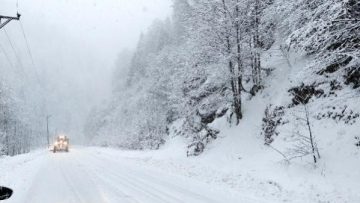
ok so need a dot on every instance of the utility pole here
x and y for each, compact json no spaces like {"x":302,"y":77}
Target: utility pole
{"x":47,"y":129}
{"x":8,"y":19}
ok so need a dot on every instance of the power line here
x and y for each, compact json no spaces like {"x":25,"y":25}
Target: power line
{"x":27,"y":44}
{"x":8,"y":19}
{"x":13,"y":48}
{"x":7,"y":56}
{"x":30,"y":53}
{"x":16,"y":68}
{"x":19,"y":59}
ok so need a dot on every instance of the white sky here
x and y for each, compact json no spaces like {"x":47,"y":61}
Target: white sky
{"x":75,"y":44}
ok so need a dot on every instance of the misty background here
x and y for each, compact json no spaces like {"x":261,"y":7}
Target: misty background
{"x":74,"y":45}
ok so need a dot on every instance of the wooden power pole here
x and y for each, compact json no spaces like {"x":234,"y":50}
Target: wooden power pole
{"x":47,"y":130}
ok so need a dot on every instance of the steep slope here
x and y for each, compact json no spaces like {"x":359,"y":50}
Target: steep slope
{"x":305,"y":108}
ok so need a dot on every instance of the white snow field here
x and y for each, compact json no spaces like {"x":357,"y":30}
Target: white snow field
{"x":225,"y":173}
{"x":95,"y":175}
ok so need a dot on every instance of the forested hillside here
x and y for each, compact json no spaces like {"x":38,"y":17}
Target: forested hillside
{"x":22,"y":126}
{"x":288,"y":66}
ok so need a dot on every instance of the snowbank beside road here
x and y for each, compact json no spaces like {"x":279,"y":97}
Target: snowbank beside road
{"x":254,"y":170}
{"x":18,"y":172}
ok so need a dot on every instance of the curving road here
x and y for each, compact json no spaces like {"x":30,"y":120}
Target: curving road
{"x":88,"y":176}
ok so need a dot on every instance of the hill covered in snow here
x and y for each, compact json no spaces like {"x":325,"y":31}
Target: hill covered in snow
{"x":267,"y":90}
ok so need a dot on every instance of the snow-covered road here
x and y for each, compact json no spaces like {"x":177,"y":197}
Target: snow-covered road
{"x":87,"y":175}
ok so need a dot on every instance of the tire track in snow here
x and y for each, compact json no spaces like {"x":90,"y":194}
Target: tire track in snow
{"x":87,"y":177}
{"x":65,"y":174}
{"x":110,"y":175}
{"x":157,"y":185}
{"x":110,"y":192}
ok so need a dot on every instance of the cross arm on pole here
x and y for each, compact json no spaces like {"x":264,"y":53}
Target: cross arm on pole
{"x":8,"y":19}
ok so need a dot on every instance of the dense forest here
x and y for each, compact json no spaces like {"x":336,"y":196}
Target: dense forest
{"x":214,"y":59}
{"x":22,"y":125}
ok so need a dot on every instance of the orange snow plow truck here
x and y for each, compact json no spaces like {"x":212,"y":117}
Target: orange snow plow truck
{"x":61,"y":144}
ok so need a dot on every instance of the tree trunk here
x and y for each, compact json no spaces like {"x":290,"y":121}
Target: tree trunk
{"x":310,"y":134}
{"x":235,"y":84}
{"x":239,"y":62}
{"x":256,"y":46}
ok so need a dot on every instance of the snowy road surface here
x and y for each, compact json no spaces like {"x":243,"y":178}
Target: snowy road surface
{"x":86,"y":175}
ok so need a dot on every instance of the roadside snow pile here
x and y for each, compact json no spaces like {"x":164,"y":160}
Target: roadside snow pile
{"x":18,"y":172}
{"x":231,"y":166}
